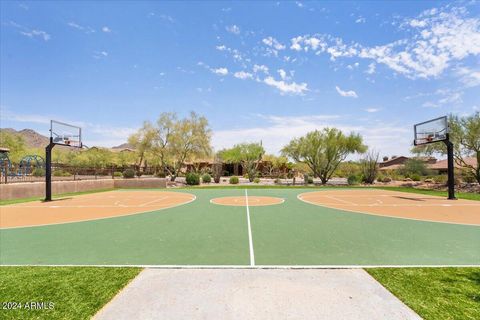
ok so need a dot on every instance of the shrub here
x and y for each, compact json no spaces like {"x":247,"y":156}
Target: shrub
{"x":234,"y":180}
{"x":386,"y":179}
{"x":206,"y":178}
{"x":352,"y":179}
{"x":160,"y":174}
{"x":61,"y":173}
{"x":117,"y":174}
{"x":310,"y":180}
{"x":128,"y":173}
{"x":415,"y":177}
{"x":38,"y":172}
{"x":139,"y":173}
{"x":256,"y":180}
{"x":277,"y":181}
{"x":192,"y":179}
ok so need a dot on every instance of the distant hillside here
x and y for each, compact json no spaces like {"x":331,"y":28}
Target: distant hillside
{"x":32,"y":138}
{"x":123,"y":146}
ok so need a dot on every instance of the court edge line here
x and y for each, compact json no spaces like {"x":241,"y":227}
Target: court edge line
{"x":160,"y":266}
{"x":250,"y":240}
{"x":125,"y":215}
{"x":379,"y":215}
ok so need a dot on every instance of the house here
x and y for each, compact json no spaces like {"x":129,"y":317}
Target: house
{"x":396,"y":163}
{"x":442,"y":165}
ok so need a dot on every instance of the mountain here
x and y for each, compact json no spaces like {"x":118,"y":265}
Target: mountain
{"x":123,"y":146}
{"x":32,"y":138}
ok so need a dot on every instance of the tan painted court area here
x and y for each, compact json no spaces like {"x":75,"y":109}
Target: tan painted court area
{"x":89,"y":207}
{"x":251,"y":201}
{"x":397,"y":204}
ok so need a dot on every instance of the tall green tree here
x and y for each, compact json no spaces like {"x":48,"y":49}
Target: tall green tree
{"x":324,"y":150}
{"x":248,"y":155}
{"x":15,"y":143}
{"x":171,"y":142}
{"x":465,"y":136}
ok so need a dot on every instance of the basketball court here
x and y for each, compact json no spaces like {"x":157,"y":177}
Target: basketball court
{"x":276,"y":227}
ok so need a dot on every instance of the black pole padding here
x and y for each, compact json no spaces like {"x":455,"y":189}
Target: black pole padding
{"x":451,"y":168}
{"x":48,"y":170}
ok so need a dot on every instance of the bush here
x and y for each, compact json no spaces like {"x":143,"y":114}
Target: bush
{"x":310,"y":180}
{"x":192,"y":179}
{"x":234,"y":180}
{"x":160,"y":174}
{"x":386,"y":179}
{"x":415,"y":177}
{"x":206,"y":178}
{"x":117,"y":174}
{"x":352,"y":179}
{"x":128,"y":173}
{"x":61,"y":173}
{"x":256,"y":180}
{"x":38,"y":172}
{"x":139,"y":173}
{"x":277,"y":181}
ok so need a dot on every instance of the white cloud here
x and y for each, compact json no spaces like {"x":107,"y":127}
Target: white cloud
{"x":36,"y":33}
{"x":243,"y":75}
{"x":100,"y":54}
{"x":262,"y":68}
{"x":167,"y":18}
{"x":221,"y":48}
{"x":272,"y":42}
{"x":233,"y":29}
{"x":371,"y":68}
{"x":220,"y":71}
{"x":372,"y":110}
{"x":106,"y":29}
{"x":287,"y":88}
{"x":437,"y":38}
{"x":350,"y":93}
{"x":79,"y":27}
{"x":299,"y":4}
{"x":361,"y":20}
{"x":28,"y":32}
{"x":471,"y":78}
{"x":276,"y":131}
{"x":282,"y":73}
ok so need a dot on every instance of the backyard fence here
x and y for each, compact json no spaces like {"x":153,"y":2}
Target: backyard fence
{"x":11,"y":173}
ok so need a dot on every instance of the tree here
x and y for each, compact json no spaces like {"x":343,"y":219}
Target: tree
{"x":369,"y":166}
{"x":142,"y":141}
{"x":275,"y":165}
{"x":324,"y":150}
{"x":465,"y":136}
{"x":189,"y":140}
{"x":170,"y":142}
{"x":248,"y":155}
{"x":15,"y":143}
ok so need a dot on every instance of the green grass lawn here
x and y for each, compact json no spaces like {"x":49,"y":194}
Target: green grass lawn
{"x":435,"y":293}
{"x":76,"y":293}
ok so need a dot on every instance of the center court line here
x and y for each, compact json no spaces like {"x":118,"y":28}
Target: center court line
{"x":250,"y":241}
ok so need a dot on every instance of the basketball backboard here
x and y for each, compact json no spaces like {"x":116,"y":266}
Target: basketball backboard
{"x":65,"y":134}
{"x":431,"y":131}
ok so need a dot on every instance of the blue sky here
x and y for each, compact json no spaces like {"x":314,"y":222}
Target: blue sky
{"x":257,"y":70}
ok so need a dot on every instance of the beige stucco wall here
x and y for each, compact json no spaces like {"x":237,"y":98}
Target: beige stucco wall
{"x":37,"y":189}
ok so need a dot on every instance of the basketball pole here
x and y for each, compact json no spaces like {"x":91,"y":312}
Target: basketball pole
{"x":451,"y":168}
{"x":48,"y":170}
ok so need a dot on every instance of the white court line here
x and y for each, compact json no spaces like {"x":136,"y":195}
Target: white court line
{"x":182,"y":266}
{"x":250,"y":241}
{"x":153,"y":201}
{"x":194,"y":197}
{"x":341,"y":200}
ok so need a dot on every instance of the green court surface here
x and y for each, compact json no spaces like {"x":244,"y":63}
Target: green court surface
{"x":293,"y":233}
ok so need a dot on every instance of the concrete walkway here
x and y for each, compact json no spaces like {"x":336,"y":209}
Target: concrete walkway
{"x":255,"y":294}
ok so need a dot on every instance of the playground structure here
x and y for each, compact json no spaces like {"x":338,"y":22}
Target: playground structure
{"x":25,"y":167}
